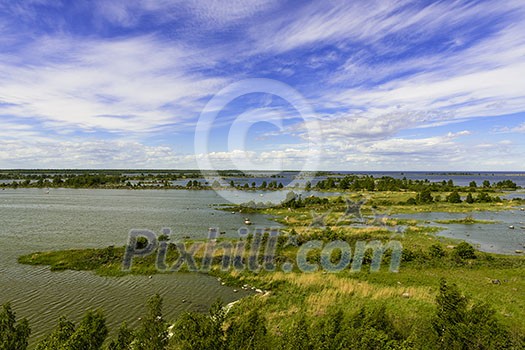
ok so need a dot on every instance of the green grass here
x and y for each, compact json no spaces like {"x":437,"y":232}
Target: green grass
{"x":468,"y":220}
{"x":409,"y":294}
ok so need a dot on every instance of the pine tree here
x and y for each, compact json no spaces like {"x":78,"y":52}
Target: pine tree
{"x":13,"y":335}
{"x":124,"y":339}
{"x":248,"y":333}
{"x":59,"y":336}
{"x":153,"y":333}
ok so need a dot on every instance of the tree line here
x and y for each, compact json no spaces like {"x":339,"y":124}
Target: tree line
{"x":387,"y":183}
{"x":348,"y":182}
{"x":456,"y":324}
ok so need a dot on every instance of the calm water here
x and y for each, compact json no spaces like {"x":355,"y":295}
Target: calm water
{"x":495,"y":238}
{"x":32,"y":220}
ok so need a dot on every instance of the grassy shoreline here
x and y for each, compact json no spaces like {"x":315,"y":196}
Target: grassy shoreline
{"x":411,"y":291}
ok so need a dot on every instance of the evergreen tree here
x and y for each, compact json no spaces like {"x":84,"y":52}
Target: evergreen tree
{"x":13,"y":335}
{"x":199,"y":331}
{"x":58,"y":338}
{"x":424,"y":197}
{"x":248,"y":332}
{"x":454,"y":197}
{"x":459,"y":327}
{"x":124,"y":339}
{"x":153,"y":333}
{"x":90,"y":333}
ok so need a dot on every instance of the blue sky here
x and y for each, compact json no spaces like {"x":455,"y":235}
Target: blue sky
{"x":392,"y":85}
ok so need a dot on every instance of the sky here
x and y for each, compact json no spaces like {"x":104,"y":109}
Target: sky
{"x":263,"y":85}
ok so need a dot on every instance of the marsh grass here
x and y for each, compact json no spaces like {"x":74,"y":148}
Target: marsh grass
{"x":467,"y":220}
{"x":409,"y":295}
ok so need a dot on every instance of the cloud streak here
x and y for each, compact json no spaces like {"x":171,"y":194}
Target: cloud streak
{"x":390,"y":81}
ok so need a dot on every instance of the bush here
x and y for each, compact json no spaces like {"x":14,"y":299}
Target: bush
{"x":411,"y":201}
{"x":424,"y":197}
{"x":436,"y":251}
{"x":459,"y":327}
{"x":465,"y":251}
{"x":454,"y":197}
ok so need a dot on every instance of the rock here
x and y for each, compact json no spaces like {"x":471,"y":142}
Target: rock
{"x":406,"y":295}
{"x":235,"y":290}
{"x":496,"y":281}
{"x":258,"y":291}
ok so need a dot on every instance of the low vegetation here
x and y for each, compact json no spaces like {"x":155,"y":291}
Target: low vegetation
{"x":454,"y":323}
{"x":467,"y":220}
{"x":479,"y":307}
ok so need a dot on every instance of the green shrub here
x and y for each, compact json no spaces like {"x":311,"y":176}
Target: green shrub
{"x":436,"y":251}
{"x":465,"y":251}
{"x":13,"y":335}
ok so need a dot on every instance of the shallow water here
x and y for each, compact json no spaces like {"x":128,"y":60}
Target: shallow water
{"x":31,"y":220}
{"x":495,"y":238}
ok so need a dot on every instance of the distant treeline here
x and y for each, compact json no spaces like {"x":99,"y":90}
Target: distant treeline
{"x":387,"y":183}
{"x":455,"y":324}
{"x":128,"y":179}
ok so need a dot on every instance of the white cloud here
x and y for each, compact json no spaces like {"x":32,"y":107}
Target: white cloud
{"x":209,"y":14}
{"x":371,"y":22}
{"x":131,"y":85}
{"x":87,"y":154}
{"x":518,"y":129}
{"x":373,"y":82}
